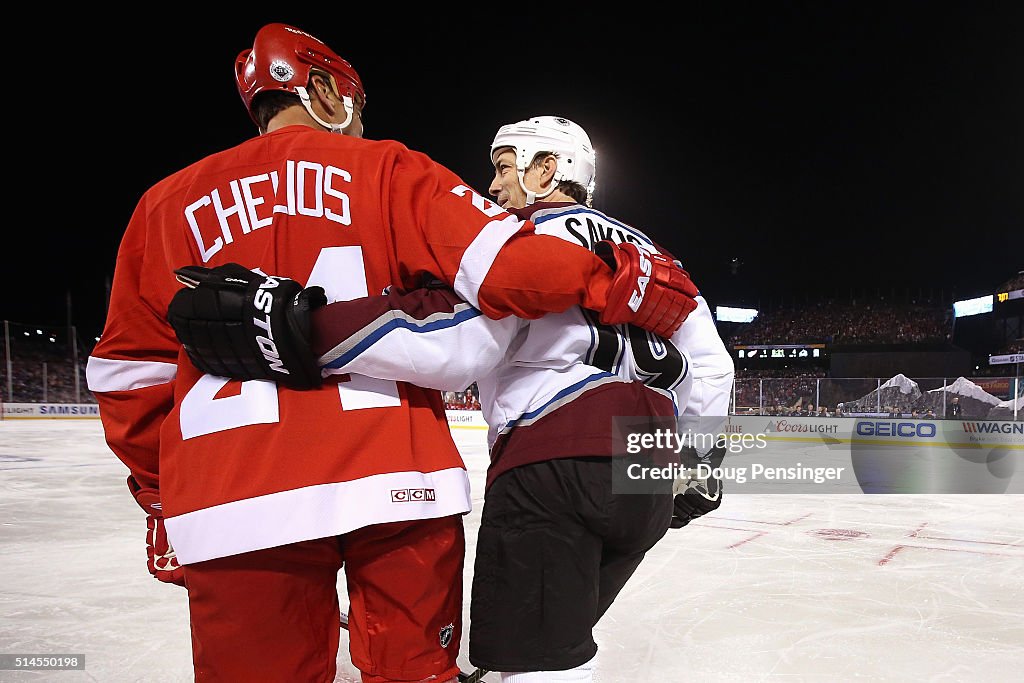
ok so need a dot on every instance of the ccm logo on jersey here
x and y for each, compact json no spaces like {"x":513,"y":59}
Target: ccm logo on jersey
{"x":413,"y":495}
{"x":264,"y":301}
{"x":637,"y":297}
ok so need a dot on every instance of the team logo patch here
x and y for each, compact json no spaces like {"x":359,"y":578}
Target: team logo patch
{"x":281,"y":70}
{"x":445,"y":635}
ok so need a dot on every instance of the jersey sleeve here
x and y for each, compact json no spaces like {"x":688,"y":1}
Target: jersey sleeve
{"x":132,"y":368}
{"x":428,"y":337}
{"x":712,"y":364}
{"x":495,"y":261}
{"x":712,"y":367}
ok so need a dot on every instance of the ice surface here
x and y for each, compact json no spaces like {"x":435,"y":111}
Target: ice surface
{"x":772,"y":587}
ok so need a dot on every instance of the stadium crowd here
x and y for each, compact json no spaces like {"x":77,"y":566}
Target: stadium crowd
{"x":39,"y":367}
{"x":1015,"y":282}
{"x":849,"y":323}
{"x":785,"y":391}
{"x":462,"y":400}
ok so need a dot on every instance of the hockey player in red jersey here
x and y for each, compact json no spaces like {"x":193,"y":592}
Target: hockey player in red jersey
{"x":550,"y":389}
{"x":256,"y":495}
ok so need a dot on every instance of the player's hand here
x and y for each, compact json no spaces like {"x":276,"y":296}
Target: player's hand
{"x":648,"y":289}
{"x":697,"y":496}
{"x":161,"y":560}
{"x":234,"y":322}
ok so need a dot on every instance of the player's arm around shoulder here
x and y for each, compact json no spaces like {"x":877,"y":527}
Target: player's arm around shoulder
{"x":427,"y":336}
{"x":233,"y":322}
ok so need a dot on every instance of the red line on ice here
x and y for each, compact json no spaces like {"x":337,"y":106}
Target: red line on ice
{"x":757,"y":521}
{"x":746,"y":540}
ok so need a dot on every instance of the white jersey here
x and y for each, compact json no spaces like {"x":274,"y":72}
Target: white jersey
{"x":549,"y":387}
{"x":712,"y":366}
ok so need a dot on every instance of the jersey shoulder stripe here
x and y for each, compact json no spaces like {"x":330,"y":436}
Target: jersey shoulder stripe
{"x":361,"y":341}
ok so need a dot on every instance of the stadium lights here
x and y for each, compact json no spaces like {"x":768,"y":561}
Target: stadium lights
{"x":727,"y":314}
{"x":982,"y":304}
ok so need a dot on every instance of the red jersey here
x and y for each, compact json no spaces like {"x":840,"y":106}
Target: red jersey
{"x":248,"y":465}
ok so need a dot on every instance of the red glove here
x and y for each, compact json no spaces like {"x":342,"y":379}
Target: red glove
{"x":162,"y":562}
{"x":648,"y":289}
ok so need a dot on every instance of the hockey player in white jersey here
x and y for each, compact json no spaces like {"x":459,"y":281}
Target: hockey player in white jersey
{"x":556,"y":544}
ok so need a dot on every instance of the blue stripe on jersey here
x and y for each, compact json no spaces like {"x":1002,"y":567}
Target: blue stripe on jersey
{"x":551,"y":214}
{"x":593,"y":339}
{"x":571,"y":389}
{"x":467,"y":313}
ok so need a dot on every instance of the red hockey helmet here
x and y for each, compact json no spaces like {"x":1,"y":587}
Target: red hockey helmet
{"x":282,"y":57}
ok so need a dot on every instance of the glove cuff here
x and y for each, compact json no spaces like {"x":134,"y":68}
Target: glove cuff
{"x":148,"y":499}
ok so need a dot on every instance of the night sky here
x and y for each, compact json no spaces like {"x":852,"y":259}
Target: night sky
{"x":778,"y":148}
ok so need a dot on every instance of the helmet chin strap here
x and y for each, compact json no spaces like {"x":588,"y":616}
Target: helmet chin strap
{"x":332,"y":127}
{"x":532,"y":196}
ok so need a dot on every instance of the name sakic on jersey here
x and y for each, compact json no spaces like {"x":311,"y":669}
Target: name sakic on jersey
{"x":588,"y":227}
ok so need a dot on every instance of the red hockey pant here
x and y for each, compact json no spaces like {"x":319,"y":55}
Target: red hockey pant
{"x":273,"y":615}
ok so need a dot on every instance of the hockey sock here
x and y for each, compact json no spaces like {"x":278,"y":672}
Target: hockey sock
{"x":584,"y":673}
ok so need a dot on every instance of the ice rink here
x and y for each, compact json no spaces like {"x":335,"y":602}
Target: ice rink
{"x":773,"y":587}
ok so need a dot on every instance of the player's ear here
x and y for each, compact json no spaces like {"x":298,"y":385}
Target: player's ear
{"x":547,"y":170}
{"x":323,"y":90}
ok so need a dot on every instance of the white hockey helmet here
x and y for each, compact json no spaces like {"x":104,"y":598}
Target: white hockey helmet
{"x":577,"y":161}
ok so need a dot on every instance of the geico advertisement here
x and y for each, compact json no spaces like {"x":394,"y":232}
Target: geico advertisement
{"x":878,"y":430}
{"x":954,"y":433}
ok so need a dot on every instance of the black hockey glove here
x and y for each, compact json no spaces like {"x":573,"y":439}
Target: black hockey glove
{"x":234,"y":322}
{"x":700,"y":495}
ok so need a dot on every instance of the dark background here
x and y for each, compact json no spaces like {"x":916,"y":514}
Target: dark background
{"x":781,"y":149}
